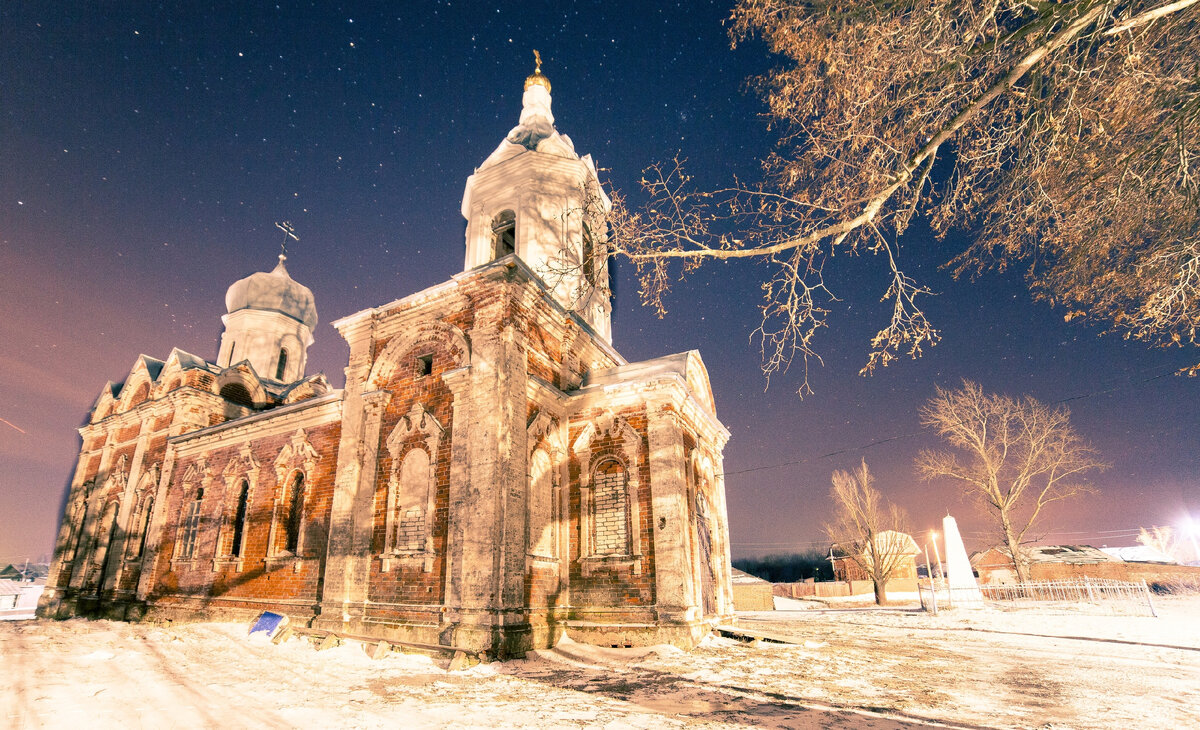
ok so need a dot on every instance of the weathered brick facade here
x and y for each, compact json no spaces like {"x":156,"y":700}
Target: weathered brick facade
{"x":493,"y":474}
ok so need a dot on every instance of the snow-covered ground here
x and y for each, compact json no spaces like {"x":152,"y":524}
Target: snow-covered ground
{"x":877,"y":668}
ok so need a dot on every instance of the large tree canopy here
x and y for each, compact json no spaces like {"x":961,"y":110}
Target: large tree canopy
{"x":1064,"y":136}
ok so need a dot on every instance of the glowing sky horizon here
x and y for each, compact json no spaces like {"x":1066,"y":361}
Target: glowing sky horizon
{"x":146,"y":154}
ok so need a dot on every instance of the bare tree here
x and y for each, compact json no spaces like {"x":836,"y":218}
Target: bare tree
{"x":867,"y":529}
{"x":1015,"y":456}
{"x":1064,"y":135}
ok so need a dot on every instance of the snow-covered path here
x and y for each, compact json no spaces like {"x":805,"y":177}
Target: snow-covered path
{"x":877,"y":669}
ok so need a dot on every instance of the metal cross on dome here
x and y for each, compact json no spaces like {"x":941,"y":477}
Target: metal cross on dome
{"x":288,"y":232}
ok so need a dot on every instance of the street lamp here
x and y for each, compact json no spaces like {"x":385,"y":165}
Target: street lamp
{"x":934,"y":535}
{"x":1190,"y":529}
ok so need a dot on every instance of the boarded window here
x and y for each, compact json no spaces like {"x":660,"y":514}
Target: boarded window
{"x":412,"y":491}
{"x":610,"y":522}
{"x":542,"y":534}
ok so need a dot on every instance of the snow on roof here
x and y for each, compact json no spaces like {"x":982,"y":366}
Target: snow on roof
{"x":1070,"y":554}
{"x":154,"y":366}
{"x":1138,"y":554}
{"x":741,"y":577}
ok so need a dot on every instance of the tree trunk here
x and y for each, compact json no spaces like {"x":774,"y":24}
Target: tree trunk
{"x":880,"y":592}
{"x":1014,"y":550}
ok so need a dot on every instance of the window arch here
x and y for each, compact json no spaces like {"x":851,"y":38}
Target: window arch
{"x":610,"y":509}
{"x":294,"y":514}
{"x":504,"y":234}
{"x":282,"y":366}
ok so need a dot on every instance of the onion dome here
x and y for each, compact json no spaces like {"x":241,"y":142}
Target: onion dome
{"x":273,"y":292}
{"x":536,"y":77}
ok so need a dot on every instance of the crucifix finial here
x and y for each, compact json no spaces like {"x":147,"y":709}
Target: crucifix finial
{"x":288,"y":232}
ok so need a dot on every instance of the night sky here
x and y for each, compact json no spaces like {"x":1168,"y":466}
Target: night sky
{"x":146,"y":153}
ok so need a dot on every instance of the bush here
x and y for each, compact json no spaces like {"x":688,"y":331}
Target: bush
{"x":1176,"y":585}
{"x":791,"y":568}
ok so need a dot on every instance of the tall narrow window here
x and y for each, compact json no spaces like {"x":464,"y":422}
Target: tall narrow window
{"x":232,"y":347}
{"x":504,"y":234}
{"x":189,"y":527}
{"x":282,"y":364}
{"x":295,"y":514}
{"x":412,"y":491}
{"x":611,"y":511}
{"x":239,"y":520}
{"x":144,"y":528}
{"x":542,"y":533}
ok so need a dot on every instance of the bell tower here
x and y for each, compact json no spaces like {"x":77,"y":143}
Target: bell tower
{"x":535,"y":197}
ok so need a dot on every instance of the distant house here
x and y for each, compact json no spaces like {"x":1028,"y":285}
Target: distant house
{"x":10,"y":593}
{"x":1046,"y":562}
{"x":890,"y":542}
{"x":1063,"y":562}
{"x":751,"y":593}
{"x":26,"y":574}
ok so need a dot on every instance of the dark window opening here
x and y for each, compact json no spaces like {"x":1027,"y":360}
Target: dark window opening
{"x":425,"y":365}
{"x":239,"y":520}
{"x":283,"y":357}
{"x":232,"y":347}
{"x":504,"y":234}
{"x":237,"y":393}
{"x":147,"y":511}
{"x":295,"y":514}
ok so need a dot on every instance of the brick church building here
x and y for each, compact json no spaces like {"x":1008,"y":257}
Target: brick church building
{"x":493,"y":473}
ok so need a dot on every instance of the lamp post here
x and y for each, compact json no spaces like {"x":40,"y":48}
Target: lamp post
{"x":1189,"y":527}
{"x":933,"y":534}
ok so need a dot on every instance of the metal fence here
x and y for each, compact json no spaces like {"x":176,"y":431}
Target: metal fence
{"x":1086,"y":595}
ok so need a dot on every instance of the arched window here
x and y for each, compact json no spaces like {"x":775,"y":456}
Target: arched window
{"x":295,"y":514}
{"x":610,"y":509}
{"x":283,"y":358}
{"x":144,"y":526}
{"x":408,"y":510}
{"x":239,"y":519}
{"x":504,"y":234}
{"x":543,"y":537}
{"x":189,"y":527}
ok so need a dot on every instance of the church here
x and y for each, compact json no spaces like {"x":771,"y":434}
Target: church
{"x":493,"y":474}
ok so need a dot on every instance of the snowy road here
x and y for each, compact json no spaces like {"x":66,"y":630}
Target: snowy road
{"x":849,"y":669}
